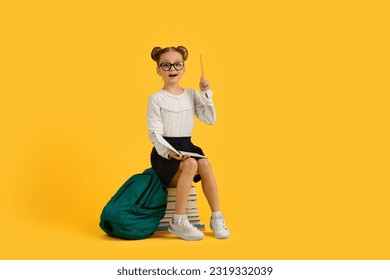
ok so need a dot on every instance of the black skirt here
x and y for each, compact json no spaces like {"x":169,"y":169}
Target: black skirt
{"x":167,"y":168}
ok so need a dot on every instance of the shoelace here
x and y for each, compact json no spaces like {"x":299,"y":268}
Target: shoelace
{"x":187,"y":225}
{"x":220,"y":223}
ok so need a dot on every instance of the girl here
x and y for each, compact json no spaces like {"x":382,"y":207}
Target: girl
{"x":170,"y":118}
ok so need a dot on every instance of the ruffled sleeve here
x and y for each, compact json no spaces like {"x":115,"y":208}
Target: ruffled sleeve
{"x":204,"y":106}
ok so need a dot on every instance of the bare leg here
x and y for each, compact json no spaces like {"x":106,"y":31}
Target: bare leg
{"x":209,"y":184}
{"x":184,"y":177}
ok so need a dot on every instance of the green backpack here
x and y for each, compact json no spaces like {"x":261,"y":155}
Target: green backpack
{"x":136,"y":209}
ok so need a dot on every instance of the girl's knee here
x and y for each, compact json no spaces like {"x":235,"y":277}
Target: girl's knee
{"x":189,"y":165}
{"x":204,"y":166}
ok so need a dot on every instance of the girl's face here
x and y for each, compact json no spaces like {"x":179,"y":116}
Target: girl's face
{"x":171,"y":67}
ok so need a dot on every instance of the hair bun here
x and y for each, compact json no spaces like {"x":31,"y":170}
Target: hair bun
{"x":155,"y":52}
{"x":183,"y":51}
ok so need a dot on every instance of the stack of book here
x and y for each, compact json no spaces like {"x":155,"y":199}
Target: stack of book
{"x":191,"y":211}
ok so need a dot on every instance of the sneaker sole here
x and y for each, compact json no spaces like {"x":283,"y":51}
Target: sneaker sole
{"x":220,"y":236}
{"x":184,"y":237}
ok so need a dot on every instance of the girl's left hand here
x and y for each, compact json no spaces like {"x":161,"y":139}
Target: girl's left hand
{"x":204,"y":84}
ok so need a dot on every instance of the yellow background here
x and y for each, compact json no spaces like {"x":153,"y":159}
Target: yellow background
{"x":300,"y":148}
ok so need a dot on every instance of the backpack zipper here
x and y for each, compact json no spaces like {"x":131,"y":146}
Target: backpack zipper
{"x":142,"y":194}
{"x":119,"y":195}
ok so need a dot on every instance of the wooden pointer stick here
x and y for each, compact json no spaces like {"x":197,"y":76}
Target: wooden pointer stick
{"x":201,"y":65}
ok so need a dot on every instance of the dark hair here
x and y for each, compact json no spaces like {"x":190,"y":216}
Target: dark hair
{"x":158,"y":51}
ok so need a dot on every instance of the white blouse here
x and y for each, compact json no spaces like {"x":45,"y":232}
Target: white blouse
{"x":173,"y":115}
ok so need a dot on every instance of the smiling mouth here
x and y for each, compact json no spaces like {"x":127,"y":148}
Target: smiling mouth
{"x":172,"y":75}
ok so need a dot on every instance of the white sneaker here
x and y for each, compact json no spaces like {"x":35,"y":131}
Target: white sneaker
{"x":184,"y":229}
{"x":217,"y":224}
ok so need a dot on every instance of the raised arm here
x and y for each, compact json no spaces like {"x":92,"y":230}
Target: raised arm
{"x":204,"y":105}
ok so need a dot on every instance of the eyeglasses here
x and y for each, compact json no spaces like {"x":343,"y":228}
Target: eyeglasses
{"x":166,"y":66}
